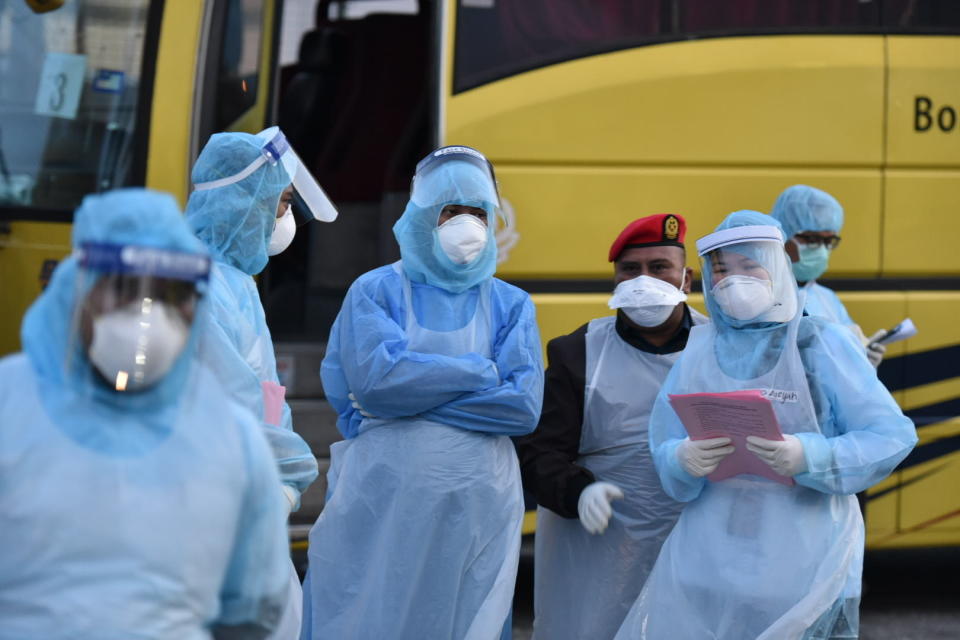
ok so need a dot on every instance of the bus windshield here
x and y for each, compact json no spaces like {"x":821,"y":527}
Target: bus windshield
{"x":69,"y":95}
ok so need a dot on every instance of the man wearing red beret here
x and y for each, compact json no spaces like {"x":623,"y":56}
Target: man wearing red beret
{"x":590,"y":447}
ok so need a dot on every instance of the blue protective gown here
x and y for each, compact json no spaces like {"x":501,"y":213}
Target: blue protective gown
{"x":239,"y":350}
{"x":420,"y":535}
{"x":824,"y":303}
{"x":153,"y":514}
{"x":235,"y":222}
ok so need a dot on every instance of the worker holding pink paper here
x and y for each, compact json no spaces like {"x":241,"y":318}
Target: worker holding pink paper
{"x":751,"y":557}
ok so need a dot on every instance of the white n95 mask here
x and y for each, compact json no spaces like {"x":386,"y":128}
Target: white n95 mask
{"x":283,"y":231}
{"x":647,"y":301}
{"x":743,"y":297}
{"x":463,"y":238}
{"x":134,"y":350}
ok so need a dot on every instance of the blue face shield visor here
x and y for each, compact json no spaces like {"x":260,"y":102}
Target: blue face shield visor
{"x":455,"y":175}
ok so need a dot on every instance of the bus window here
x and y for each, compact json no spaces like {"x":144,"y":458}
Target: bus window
{"x":70,"y":90}
{"x":233,"y":67}
{"x":703,"y":17}
{"x":921,"y":15}
{"x":497,"y":39}
{"x":356,"y":105}
{"x":500,"y":39}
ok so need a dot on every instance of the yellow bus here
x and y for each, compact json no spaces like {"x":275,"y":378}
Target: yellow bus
{"x":594,"y":112}
{"x":593,"y":117}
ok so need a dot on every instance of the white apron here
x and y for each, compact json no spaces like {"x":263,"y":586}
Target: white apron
{"x":420,"y":537}
{"x":752,"y":558}
{"x":603,"y":574}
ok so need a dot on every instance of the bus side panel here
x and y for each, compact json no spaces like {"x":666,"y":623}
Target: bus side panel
{"x":927,"y":372}
{"x":923,"y":156}
{"x":923,"y":123}
{"x":27,"y":256}
{"x":794,"y":100}
{"x":921,"y":226}
{"x":556,"y":204}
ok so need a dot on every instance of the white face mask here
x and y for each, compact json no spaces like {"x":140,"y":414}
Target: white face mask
{"x":283,"y":231}
{"x":463,"y":238}
{"x":743,"y":297}
{"x":647,"y":301}
{"x":134,"y":350}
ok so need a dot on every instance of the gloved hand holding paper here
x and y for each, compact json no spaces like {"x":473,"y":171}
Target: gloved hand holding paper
{"x":902,"y":331}
{"x":735,"y":415}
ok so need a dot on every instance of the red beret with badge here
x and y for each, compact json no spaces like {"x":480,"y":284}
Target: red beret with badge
{"x":661,"y":230}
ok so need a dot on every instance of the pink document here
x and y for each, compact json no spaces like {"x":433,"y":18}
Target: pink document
{"x":273,"y":395}
{"x":735,"y":415}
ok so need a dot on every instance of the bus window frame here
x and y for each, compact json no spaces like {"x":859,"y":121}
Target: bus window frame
{"x":141,"y":134}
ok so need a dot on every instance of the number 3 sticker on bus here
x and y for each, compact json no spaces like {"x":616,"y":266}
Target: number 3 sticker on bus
{"x":60,"y":85}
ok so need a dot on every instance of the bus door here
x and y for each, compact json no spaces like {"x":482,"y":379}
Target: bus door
{"x":354,"y":100}
{"x":73,"y":81}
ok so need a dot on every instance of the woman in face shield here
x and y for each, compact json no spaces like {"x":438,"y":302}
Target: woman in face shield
{"x":431,"y":364}
{"x":750,"y":557}
{"x":136,"y":501}
{"x":241,"y":210}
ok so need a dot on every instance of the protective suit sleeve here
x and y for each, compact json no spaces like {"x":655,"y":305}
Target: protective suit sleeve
{"x":666,"y":432}
{"x":839,"y":310}
{"x":222,"y":352}
{"x":295,"y":460}
{"x":548,"y":455}
{"x":255,"y":585}
{"x":864,"y":434}
{"x":512,"y":407}
{"x":367,"y":355}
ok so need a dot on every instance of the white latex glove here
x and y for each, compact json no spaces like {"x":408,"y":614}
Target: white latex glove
{"x":875,"y":350}
{"x":783,"y":456}
{"x":594,"y":505}
{"x":356,"y":405}
{"x":701,"y":457}
{"x":291,"y":498}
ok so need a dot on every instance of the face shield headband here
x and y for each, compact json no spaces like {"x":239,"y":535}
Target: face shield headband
{"x":747,"y":276}
{"x":432,"y":184}
{"x":106,"y":257}
{"x":276,"y":148}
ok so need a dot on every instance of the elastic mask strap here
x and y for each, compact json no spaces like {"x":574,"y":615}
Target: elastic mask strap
{"x":223,"y":182}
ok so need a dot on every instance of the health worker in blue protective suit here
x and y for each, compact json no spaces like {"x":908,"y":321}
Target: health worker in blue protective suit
{"x":137,"y":501}
{"x":750,"y":557}
{"x":811,"y":220}
{"x":431,"y":365}
{"x":241,"y":209}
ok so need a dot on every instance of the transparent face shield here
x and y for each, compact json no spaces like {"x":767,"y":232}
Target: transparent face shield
{"x":455,"y":175}
{"x":747,"y":275}
{"x":306,"y":189}
{"x":135,"y":309}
